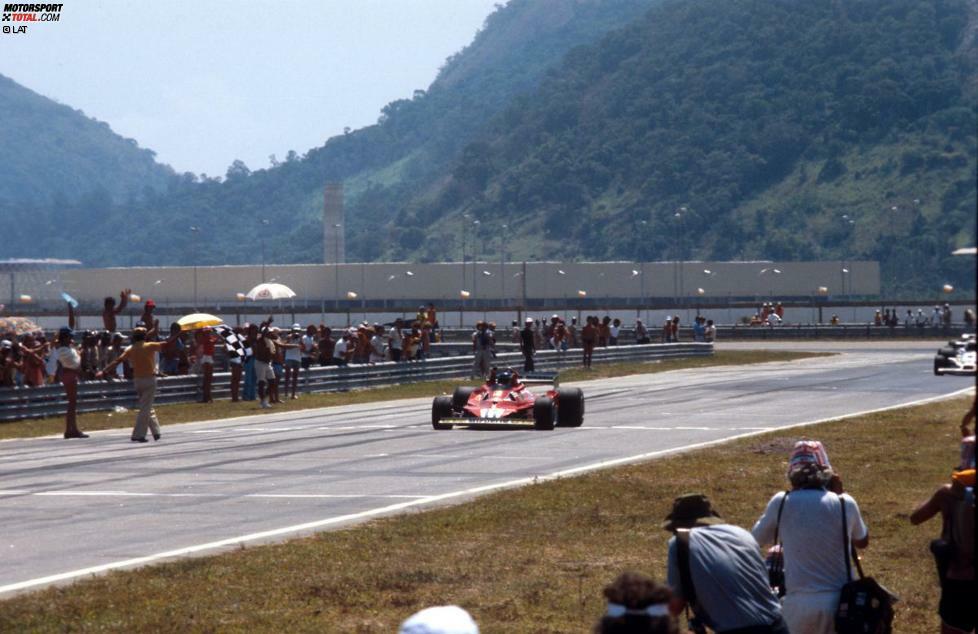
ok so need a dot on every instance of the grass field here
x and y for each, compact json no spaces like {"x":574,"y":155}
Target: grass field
{"x":188,"y":412}
{"x":527,"y":560}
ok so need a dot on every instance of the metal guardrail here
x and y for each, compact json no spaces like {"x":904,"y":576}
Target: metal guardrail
{"x":842,"y":331}
{"x":741,"y":332}
{"x":39,"y":402}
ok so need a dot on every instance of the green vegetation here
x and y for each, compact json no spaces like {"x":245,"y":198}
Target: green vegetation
{"x":528,"y":560}
{"x":190,"y":412}
{"x":589,"y":124}
{"x":410,"y":147}
{"x":765,"y":121}
{"x":52,"y":155}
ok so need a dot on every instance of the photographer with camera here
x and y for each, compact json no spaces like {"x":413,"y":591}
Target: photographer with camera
{"x":716,"y":569}
{"x":810,"y":519}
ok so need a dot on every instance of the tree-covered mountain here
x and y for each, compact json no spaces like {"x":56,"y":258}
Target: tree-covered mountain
{"x":412,"y":145}
{"x":50,"y":152}
{"x":738,"y":129}
{"x":629,"y":129}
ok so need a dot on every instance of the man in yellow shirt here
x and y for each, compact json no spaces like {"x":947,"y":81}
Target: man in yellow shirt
{"x":142,"y":358}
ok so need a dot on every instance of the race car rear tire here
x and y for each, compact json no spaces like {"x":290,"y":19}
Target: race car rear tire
{"x":570,"y":410}
{"x":461,"y":398}
{"x":543,"y":414}
{"x":947,"y":352}
{"x":441,"y":408}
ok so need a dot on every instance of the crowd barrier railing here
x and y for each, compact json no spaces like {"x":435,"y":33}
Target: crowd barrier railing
{"x":39,"y":402}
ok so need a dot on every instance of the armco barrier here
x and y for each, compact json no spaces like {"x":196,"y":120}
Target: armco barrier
{"x":24,"y":403}
{"x":741,"y":332}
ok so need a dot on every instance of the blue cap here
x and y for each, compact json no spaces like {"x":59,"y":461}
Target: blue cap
{"x":65,"y":330}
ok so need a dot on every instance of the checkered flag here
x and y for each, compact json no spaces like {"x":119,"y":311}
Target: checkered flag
{"x":236,"y":345}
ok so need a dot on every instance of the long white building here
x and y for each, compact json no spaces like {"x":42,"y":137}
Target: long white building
{"x":493,"y":283}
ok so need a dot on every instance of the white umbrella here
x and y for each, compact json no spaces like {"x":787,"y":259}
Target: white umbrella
{"x":270,"y":291}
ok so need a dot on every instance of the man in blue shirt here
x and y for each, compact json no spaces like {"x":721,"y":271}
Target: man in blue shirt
{"x":716,"y":568}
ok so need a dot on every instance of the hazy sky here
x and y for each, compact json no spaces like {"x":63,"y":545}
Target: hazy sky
{"x":207,"y":81}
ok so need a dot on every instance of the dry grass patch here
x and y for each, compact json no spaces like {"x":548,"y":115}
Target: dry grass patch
{"x":190,"y":412}
{"x":528,"y":560}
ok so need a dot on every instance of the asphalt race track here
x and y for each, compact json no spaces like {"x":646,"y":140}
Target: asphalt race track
{"x":73,"y":508}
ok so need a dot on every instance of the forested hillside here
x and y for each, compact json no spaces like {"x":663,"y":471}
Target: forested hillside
{"x":50,"y":152}
{"x":798,"y":130}
{"x":629,"y":129}
{"x":383,"y":165}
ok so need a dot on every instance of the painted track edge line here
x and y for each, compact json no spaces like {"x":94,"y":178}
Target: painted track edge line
{"x":297,"y":528}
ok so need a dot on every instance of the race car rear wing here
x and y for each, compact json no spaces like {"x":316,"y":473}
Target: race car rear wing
{"x":539,"y":378}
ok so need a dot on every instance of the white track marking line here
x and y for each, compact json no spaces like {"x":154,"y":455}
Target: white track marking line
{"x":639,"y":427}
{"x":330,"y":521}
{"x":129,"y":494}
{"x":336,"y":495}
{"x":145,"y":494}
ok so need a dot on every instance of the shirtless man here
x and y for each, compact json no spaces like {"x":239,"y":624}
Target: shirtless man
{"x":111,"y":310}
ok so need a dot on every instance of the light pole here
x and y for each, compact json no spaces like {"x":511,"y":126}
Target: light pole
{"x":771,"y":271}
{"x":264,"y":222}
{"x":464,"y":218}
{"x":475,"y":261}
{"x":641,"y":287}
{"x":560,"y":282}
{"x":195,"y":231}
{"x":850,"y":225}
{"x":680,"y":215}
{"x":502,"y":266}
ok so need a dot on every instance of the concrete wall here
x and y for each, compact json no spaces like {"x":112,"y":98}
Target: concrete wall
{"x":483,"y":280}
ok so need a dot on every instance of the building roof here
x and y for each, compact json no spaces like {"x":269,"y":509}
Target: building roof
{"x":29,"y":264}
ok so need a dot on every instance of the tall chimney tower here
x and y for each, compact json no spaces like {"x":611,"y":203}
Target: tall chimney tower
{"x":334,"y":244}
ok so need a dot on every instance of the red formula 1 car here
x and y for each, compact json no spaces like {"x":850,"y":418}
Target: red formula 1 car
{"x":506,"y":400}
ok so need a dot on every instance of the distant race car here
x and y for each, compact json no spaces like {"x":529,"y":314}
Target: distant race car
{"x":505,"y":399}
{"x":958,"y":357}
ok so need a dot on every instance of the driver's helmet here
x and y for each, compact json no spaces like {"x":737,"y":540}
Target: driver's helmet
{"x":505,"y":378}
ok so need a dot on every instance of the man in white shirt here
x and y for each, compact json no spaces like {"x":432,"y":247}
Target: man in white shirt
{"x":395,"y":339}
{"x":307,"y":347}
{"x":378,"y":350}
{"x":811,"y":532}
{"x":341,"y":349}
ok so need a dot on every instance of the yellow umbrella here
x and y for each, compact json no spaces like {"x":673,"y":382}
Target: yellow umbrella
{"x":195,"y":321}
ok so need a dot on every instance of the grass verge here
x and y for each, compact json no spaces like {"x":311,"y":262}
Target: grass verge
{"x":527,"y":560}
{"x":189,"y":412}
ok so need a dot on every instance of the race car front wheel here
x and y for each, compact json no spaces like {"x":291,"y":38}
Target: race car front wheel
{"x":543,"y":413}
{"x":461,"y":398}
{"x":441,"y":408}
